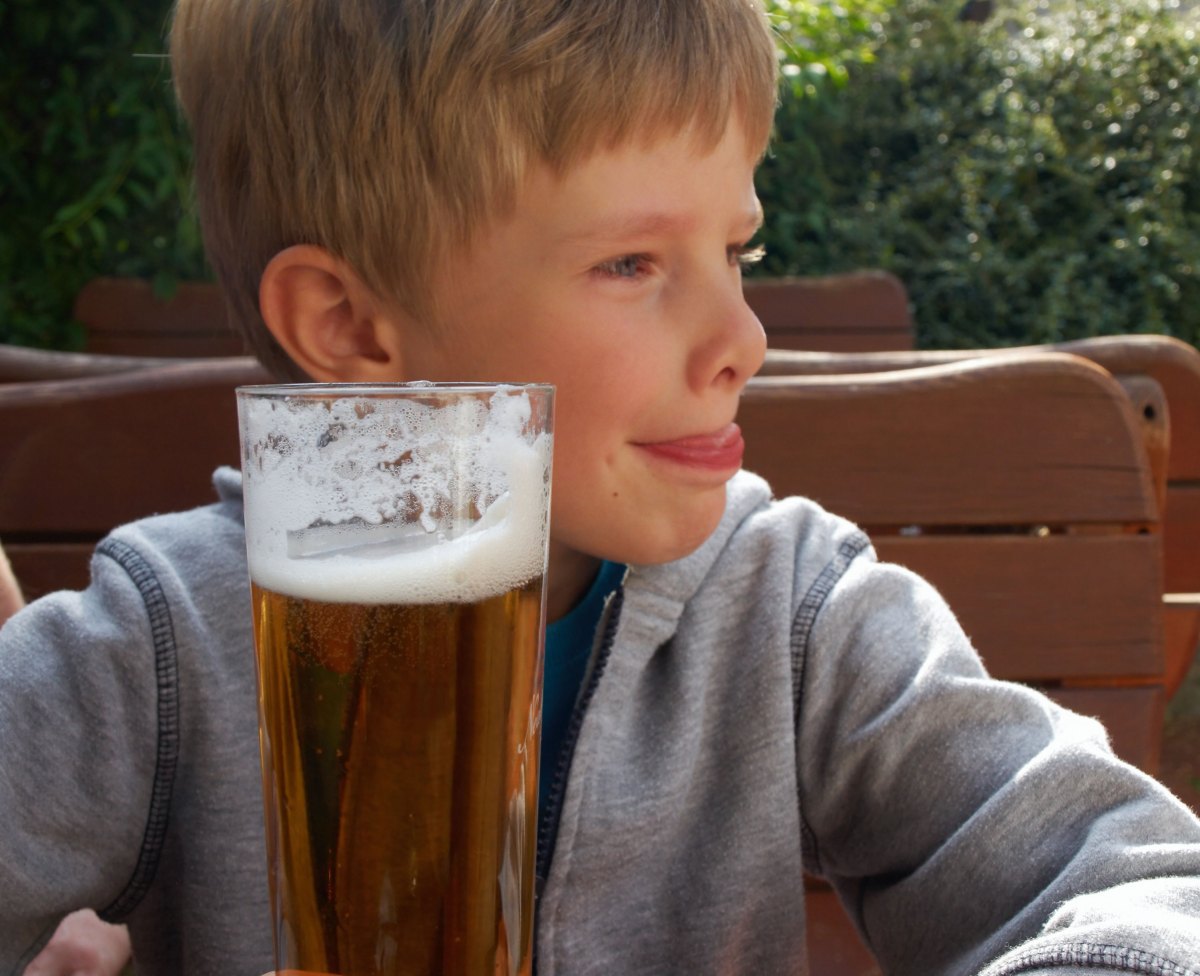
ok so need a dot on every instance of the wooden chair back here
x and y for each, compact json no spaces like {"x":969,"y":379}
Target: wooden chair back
{"x":81,"y":456}
{"x":1162,"y":375}
{"x":123,"y":317}
{"x":852,"y":312}
{"x":19,"y":364}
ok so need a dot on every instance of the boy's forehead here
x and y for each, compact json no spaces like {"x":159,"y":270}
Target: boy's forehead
{"x":647,"y":188}
{"x":625,"y":197}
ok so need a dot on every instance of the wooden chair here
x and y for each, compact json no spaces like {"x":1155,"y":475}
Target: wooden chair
{"x":20,"y":364}
{"x":1022,"y":487}
{"x":81,"y":456}
{"x":122,"y":316}
{"x":1174,"y":364}
{"x":854,"y":312}
{"x":1169,"y":365}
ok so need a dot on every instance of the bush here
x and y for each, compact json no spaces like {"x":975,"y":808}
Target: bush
{"x":94,"y":162}
{"x":1033,"y":179}
{"x":818,"y":40}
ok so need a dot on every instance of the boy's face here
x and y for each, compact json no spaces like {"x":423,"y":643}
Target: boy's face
{"x":619,"y":282}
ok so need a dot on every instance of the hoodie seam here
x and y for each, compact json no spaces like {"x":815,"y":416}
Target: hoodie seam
{"x":166,"y":672}
{"x":801,"y":636}
{"x":1093,"y":955}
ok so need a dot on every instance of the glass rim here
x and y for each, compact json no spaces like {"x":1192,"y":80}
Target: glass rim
{"x":416,"y":388}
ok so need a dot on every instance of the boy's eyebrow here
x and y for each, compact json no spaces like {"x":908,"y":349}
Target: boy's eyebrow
{"x":632,"y":226}
{"x":650,"y":224}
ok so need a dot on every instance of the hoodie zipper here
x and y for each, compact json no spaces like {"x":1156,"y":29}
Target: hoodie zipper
{"x":548,"y":828}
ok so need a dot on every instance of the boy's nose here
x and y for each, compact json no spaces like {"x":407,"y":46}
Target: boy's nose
{"x":732,"y":343}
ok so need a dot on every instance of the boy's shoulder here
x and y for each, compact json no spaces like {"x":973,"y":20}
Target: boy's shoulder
{"x":755,"y":516}
{"x":794,"y":535}
{"x":197,"y":548}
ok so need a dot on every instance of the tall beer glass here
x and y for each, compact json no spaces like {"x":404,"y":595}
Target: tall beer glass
{"x":397,"y":540}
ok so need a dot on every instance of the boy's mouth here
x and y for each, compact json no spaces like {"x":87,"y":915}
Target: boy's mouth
{"x":720,"y":450}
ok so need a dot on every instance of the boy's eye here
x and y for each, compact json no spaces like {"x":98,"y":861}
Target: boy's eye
{"x":636,"y":265}
{"x":745,"y":255}
{"x":626,"y":266}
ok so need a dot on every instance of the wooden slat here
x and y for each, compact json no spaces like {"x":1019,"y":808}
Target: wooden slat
{"x":847,"y":312}
{"x":1172,"y":363}
{"x":82,"y":456}
{"x":1181,"y":535}
{"x":840,"y":340}
{"x":122,"y":316}
{"x":1151,"y":408}
{"x":1059,"y":607}
{"x":1040,"y":438}
{"x":782,"y":361}
{"x":21,"y":365}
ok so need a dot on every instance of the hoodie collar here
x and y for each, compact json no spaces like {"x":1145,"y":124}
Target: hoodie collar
{"x":656,"y":595}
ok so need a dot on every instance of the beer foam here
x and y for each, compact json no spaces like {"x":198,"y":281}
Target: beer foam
{"x":390,"y":515}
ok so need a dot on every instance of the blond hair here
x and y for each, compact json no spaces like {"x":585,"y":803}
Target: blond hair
{"x":388,"y":131}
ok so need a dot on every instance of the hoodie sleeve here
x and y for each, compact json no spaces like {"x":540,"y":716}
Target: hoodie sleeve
{"x":971,"y":825}
{"x":85,"y":685}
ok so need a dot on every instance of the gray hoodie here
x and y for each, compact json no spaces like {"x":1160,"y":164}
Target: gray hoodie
{"x":777,"y":702}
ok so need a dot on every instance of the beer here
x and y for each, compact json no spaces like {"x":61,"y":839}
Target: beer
{"x":404,"y":737}
{"x":396,"y":540}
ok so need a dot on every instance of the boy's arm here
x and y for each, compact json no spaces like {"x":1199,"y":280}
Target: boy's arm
{"x":960,"y":817}
{"x":78,"y":723}
{"x":82,"y":945}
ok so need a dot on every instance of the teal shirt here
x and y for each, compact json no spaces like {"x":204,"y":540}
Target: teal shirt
{"x":569,"y":643}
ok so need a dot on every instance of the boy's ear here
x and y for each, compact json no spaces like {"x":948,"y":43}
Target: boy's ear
{"x":326,"y":318}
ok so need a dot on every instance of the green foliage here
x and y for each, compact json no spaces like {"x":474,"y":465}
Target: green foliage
{"x":819,"y":39}
{"x":1033,"y":179}
{"x":94,"y":162}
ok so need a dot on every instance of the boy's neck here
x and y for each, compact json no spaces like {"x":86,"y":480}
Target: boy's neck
{"x":570,"y":574}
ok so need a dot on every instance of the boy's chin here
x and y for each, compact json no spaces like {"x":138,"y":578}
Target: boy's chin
{"x":678,"y":536}
{"x":658,"y":529}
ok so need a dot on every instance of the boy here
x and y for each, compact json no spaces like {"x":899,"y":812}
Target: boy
{"x":561,"y":190}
